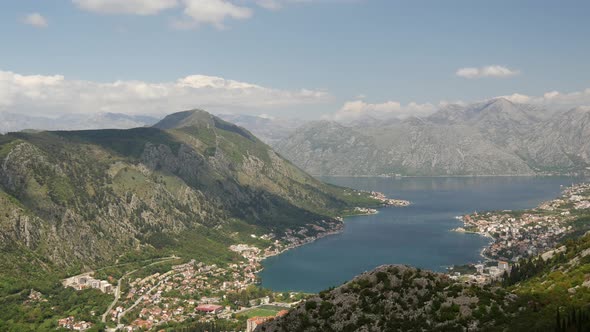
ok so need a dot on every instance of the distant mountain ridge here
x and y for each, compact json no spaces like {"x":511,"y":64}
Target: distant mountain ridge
{"x":496,"y":137}
{"x":12,"y":122}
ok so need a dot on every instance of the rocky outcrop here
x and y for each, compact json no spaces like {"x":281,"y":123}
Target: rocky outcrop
{"x":395,"y":298}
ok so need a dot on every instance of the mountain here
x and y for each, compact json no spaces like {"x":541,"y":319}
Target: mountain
{"x":11,"y":122}
{"x":191,"y":185}
{"x":497,"y":137}
{"x":269,"y":129}
{"x":395,"y":298}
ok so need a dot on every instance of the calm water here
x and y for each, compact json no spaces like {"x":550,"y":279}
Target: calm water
{"x":418,"y":235}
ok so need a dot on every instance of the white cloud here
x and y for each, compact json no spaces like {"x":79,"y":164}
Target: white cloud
{"x":194,"y":13}
{"x":213,"y":12}
{"x":56,"y":95}
{"x":486,"y":71}
{"x":358,"y":109}
{"x":35,"y":19}
{"x":133,"y":7}
{"x":269,"y":4}
{"x":554,"y":99}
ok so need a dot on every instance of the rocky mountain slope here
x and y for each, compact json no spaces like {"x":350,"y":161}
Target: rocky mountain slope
{"x":497,"y":137}
{"x":190,"y":185}
{"x":269,"y":129}
{"x":397,"y":298}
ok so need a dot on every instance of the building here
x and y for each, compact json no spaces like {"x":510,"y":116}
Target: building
{"x":209,"y":308}
{"x":502,"y":265}
{"x":253,"y":322}
{"x":479,"y":268}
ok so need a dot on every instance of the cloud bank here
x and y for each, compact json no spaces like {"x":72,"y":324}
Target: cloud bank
{"x":486,"y":71}
{"x":56,"y":95}
{"x":193,"y":13}
{"x":132,"y":7}
{"x":358,"y":109}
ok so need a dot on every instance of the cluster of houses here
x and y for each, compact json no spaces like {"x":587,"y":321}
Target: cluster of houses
{"x":70,"y":323}
{"x":517,"y":236}
{"x":85,"y":281}
{"x":363,"y":210}
{"x":389,"y":201}
{"x":156,"y":296}
{"x":484,"y":274}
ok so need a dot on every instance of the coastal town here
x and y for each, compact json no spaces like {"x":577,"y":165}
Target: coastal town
{"x":205,"y":292}
{"x":521,"y":234}
{"x":192,"y":290}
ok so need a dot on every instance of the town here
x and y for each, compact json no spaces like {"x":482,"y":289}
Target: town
{"x":198,"y":291}
{"x":522,"y":234}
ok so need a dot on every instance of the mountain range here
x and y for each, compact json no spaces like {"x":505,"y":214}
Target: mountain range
{"x":11,"y":122}
{"x":496,"y":137}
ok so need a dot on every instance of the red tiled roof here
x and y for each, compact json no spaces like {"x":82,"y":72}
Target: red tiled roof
{"x":208,"y":307}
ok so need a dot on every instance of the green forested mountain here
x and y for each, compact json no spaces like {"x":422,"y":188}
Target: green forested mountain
{"x":191,"y":185}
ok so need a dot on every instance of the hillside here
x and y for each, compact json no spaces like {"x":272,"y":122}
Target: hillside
{"x":398,"y":298}
{"x":401,"y":298}
{"x":191,"y":185}
{"x":496,"y":137}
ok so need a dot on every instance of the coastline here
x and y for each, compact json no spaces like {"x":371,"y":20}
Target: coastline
{"x":513,"y":232}
{"x":386,"y":203}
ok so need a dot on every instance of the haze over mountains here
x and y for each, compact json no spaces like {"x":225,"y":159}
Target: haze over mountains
{"x":496,"y":137}
{"x":11,"y":122}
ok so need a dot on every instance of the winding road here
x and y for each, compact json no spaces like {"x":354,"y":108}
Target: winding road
{"x":118,"y":288}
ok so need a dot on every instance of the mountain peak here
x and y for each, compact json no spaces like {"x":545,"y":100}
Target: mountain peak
{"x":190,"y":118}
{"x":200,"y":118}
{"x":501,"y":101}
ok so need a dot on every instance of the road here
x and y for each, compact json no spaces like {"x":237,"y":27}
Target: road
{"x":118,"y":288}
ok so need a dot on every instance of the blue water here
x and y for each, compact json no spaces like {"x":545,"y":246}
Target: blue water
{"x":417,"y":235}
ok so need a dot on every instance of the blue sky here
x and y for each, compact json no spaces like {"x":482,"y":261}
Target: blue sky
{"x":347,"y":55}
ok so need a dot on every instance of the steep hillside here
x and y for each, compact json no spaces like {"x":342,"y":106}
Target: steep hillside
{"x":398,"y":298}
{"x":269,"y":129}
{"x":80,"y":199}
{"x":496,"y":137}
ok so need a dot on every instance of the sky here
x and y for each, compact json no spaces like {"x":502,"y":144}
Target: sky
{"x":290,"y":58}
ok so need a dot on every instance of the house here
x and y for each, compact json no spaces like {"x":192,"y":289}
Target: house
{"x":144,"y":324}
{"x":82,"y":326}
